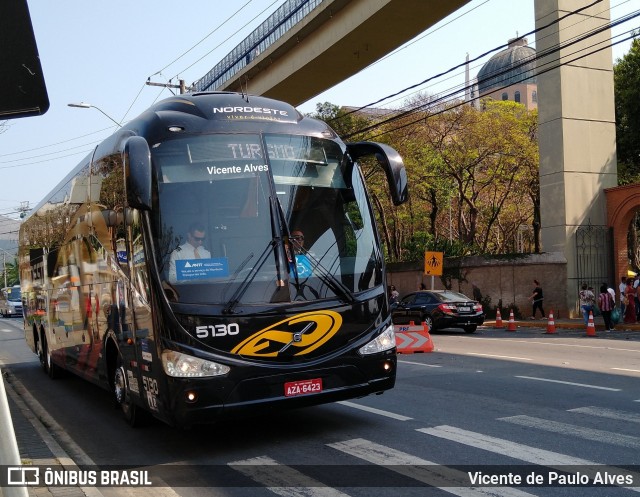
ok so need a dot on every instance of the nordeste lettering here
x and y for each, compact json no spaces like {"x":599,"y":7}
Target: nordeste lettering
{"x":247,"y":110}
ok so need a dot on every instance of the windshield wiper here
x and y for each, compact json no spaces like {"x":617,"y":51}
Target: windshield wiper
{"x":244,"y":285}
{"x":326,"y":276}
{"x":253,"y":272}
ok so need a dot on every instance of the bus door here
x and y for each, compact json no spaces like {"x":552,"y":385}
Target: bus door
{"x":140,"y":334}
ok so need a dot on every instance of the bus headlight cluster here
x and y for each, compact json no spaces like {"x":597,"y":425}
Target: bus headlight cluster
{"x":384,"y":341}
{"x":182,"y":365}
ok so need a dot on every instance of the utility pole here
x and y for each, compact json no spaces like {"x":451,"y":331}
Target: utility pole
{"x":182,"y":87}
{"x":23,"y":209}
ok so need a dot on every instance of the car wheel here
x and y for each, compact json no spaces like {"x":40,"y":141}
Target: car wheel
{"x":428,"y":320}
{"x":470,"y":329}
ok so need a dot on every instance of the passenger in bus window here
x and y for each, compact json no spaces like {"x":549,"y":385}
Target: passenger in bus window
{"x":297,"y":239}
{"x":302,"y":262}
{"x":193,"y":248}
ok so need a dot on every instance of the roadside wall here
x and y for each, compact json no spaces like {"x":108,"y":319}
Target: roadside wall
{"x":506,"y":279}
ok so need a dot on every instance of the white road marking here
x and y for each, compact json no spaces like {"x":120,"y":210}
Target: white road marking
{"x":373,"y":410}
{"x":630,"y":370}
{"x":419,"y":469}
{"x":575,"y":431}
{"x":504,"y":447}
{"x":421,"y":364}
{"x":283,"y":480}
{"x":554,"y":343}
{"x":570,"y":383}
{"x":604,"y":412}
{"x":533,"y":455}
{"x":499,"y":356}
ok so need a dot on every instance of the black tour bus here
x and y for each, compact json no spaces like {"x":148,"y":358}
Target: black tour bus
{"x":214,"y":257}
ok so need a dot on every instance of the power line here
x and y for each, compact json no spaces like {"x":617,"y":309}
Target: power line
{"x":202,"y":40}
{"x":50,"y":153}
{"x":55,"y":144}
{"x":229,"y":37}
{"x":135,"y":99}
{"x":131,"y":105}
{"x":458,"y":66}
{"x":416,"y":109}
{"x":46,"y":160}
{"x":538,"y":56}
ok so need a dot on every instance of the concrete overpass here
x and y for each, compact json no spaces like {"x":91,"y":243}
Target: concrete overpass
{"x":330,"y":43}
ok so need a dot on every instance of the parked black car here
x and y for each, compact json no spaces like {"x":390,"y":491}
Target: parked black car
{"x":439,"y":309}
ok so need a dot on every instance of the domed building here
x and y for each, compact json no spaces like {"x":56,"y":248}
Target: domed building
{"x":511,"y":75}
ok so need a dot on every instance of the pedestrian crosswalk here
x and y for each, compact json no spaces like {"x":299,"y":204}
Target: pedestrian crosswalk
{"x":450,"y":478}
{"x":427,"y":472}
{"x":592,"y":434}
{"x":283,"y":480}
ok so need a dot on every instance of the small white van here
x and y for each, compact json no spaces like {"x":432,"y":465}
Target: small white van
{"x":10,"y":302}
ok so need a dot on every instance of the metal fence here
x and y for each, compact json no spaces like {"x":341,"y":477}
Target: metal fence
{"x":593,"y":257}
{"x":282,"y":20}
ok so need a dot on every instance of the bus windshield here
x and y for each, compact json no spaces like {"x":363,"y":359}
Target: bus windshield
{"x":251,"y":219}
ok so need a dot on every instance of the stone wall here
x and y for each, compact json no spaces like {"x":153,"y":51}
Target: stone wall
{"x":509,"y":279}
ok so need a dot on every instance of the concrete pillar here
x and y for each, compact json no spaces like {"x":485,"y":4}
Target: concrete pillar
{"x":577,"y":135}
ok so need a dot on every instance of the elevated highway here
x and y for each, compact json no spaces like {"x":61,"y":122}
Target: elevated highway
{"x":334,"y":41}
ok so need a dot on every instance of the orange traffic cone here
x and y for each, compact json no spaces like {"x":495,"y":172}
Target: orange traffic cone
{"x":512,"y":322}
{"x":591,"y":326}
{"x":499,"y":323}
{"x":551,"y":324}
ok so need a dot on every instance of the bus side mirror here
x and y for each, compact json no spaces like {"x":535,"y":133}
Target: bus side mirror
{"x":137,"y":172}
{"x":390,"y":161}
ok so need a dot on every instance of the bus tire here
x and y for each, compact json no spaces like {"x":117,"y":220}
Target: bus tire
{"x":51,"y":368}
{"x":132,"y":413}
{"x":37,"y":340}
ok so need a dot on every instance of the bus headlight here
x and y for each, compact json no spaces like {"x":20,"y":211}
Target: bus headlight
{"x":186,"y":366}
{"x":384,"y":341}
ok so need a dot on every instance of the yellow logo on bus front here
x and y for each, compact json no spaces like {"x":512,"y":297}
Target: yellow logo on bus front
{"x":277,"y":338}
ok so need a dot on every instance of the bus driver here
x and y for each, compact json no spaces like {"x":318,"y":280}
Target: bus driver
{"x":193,"y":248}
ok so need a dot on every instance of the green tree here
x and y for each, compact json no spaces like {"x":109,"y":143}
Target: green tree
{"x":473,"y":178}
{"x":12,"y":273}
{"x":627,"y":96}
{"x":341,"y":120}
{"x":473,"y":174}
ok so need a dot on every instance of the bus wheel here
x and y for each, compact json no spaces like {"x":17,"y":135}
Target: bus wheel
{"x":131,"y":412}
{"x":51,"y":368}
{"x":40,"y":353}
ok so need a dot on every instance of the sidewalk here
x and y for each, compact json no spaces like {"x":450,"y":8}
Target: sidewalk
{"x":36,"y":445}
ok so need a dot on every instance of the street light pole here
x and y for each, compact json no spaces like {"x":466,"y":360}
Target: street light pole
{"x":83,"y":105}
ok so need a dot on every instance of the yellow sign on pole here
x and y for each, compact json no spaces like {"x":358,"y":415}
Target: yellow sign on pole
{"x":433,"y":263}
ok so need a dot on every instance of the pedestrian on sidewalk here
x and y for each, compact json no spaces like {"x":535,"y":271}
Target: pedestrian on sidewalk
{"x":629,"y":302}
{"x":537,"y":298}
{"x":621,"y":288}
{"x":394,"y":295}
{"x":606,"y":304}
{"x":587,"y":301}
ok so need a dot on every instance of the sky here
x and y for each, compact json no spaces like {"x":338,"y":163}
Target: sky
{"x":102,"y":53}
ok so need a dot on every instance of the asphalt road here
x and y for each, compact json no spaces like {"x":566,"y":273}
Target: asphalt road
{"x":489,"y":405}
